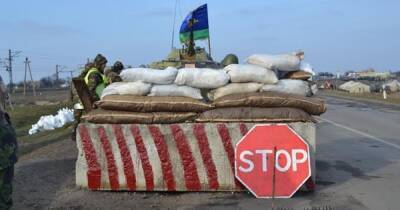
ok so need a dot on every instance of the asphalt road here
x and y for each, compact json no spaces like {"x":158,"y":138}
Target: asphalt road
{"x":358,"y":167}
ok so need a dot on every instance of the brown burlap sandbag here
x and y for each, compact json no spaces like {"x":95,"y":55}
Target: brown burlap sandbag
{"x":301,"y":75}
{"x":121,"y":117}
{"x":152,"y":103}
{"x":255,"y":114}
{"x":313,"y":106}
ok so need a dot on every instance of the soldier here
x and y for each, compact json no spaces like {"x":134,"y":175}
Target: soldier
{"x":96,"y":82}
{"x":95,"y":78}
{"x":113,"y":73}
{"x":8,"y":156}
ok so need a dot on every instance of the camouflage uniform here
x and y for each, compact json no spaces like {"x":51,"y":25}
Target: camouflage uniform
{"x":8,"y":157}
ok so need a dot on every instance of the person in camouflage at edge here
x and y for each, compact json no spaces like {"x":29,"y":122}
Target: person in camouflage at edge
{"x":8,"y":157}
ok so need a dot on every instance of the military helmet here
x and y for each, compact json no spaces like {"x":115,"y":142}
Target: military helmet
{"x":230,"y":59}
{"x":118,"y":67}
{"x":99,"y":60}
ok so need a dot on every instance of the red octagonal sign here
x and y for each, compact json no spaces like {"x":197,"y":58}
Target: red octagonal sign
{"x":272,"y":161}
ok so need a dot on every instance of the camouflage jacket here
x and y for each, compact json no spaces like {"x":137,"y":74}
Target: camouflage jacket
{"x":8,"y":142}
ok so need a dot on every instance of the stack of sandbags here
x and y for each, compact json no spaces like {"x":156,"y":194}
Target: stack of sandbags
{"x":186,"y":82}
{"x":263,"y":107}
{"x":293,"y":72}
{"x":245,"y":78}
{"x":146,"y":109}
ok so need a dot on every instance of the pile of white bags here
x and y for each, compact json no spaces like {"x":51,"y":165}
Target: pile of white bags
{"x":259,"y":74}
{"x":51,"y":122}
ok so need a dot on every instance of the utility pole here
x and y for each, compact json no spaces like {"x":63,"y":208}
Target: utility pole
{"x":11,"y":56}
{"x":57,"y":72}
{"x":28,"y":67}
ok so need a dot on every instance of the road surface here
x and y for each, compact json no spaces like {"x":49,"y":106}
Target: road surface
{"x":358,"y":167}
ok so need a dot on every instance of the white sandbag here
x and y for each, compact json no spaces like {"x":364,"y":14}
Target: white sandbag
{"x":314,"y":89}
{"x":290,"y":86}
{"x":285,"y":62}
{"x":234,"y":88}
{"x":175,"y":90}
{"x":250,"y":73}
{"x":307,"y":68}
{"x":138,"y":88}
{"x":155,"y":76}
{"x":202,"y":78}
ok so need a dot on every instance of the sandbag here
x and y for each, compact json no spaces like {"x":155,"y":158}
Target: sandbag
{"x":155,"y":76}
{"x":120,"y":117}
{"x":313,"y":106}
{"x":234,"y":88}
{"x":202,"y":78}
{"x":254,"y":114}
{"x":127,"y":88}
{"x":250,"y":73}
{"x":307,"y":68}
{"x":152,"y":104}
{"x":285,"y":62}
{"x":299,"y":75}
{"x":175,"y":90}
{"x":289,"y":86}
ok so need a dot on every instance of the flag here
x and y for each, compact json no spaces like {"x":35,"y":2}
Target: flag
{"x":197,"y":22}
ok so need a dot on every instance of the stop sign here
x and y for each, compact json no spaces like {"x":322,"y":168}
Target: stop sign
{"x":272,"y":160}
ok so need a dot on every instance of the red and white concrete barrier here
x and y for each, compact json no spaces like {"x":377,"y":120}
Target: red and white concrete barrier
{"x":165,"y":157}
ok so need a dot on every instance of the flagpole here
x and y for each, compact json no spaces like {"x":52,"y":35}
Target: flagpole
{"x":209,"y":45}
{"x":173,"y":27}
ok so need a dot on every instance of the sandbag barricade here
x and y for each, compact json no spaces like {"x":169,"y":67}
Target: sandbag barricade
{"x":174,"y":157}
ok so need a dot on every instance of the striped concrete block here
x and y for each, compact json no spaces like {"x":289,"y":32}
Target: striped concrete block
{"x":164,"y":157}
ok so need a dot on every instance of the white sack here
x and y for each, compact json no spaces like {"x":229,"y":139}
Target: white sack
{"x":290,"y":86}
{"x":162,"y":77}
{"x":234,"y":88}
{"x":202,"y":78}
{"x":175,"y":90}
{"x":138,"y":88}
{"x":314,"y":89}
{"x":307,"y":68}
{"x":285,"y":62}
{"x":250,"y":73}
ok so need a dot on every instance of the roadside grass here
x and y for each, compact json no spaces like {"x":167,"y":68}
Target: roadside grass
{"x":392,"y":99}
{"x":23,"y":117}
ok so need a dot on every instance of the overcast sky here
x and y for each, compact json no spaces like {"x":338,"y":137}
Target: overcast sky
{"x":336,"y":35}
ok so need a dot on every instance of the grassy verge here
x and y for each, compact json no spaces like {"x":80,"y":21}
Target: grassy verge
{"x":370,"y":97}
{"x":23,"y":117}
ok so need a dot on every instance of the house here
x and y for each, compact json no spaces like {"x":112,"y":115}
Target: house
{"x":355,"y":87}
